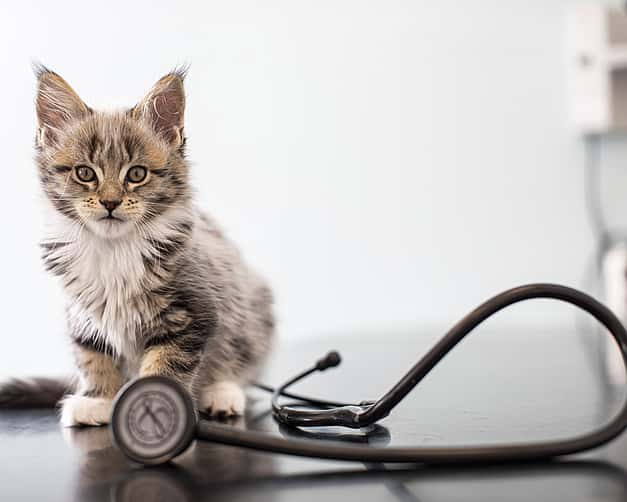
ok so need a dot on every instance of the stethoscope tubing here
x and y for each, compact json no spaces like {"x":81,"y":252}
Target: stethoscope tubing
{"x":434,"y":455}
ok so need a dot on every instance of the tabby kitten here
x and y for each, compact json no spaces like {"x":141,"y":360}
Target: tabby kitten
{"x":154,"y":286}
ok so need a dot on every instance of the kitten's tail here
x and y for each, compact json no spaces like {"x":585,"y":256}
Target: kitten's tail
{"x":18,"y":393}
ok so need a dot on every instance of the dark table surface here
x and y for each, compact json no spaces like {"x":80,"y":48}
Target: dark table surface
{"x":498,"y":386}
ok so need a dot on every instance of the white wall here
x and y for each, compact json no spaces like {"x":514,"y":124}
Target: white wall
{"x":386,"y":164}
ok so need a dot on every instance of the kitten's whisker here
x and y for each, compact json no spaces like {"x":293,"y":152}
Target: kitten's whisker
{"x":67,"y":181}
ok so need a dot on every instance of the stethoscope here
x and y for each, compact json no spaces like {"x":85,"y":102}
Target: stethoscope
{"x":154,"y":419}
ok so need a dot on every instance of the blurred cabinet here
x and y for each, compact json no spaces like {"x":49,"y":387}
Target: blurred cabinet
{"x":597,"y":66}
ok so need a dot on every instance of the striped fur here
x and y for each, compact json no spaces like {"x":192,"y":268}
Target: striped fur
{"x":154,"y":286}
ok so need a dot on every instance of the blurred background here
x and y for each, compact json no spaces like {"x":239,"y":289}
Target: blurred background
{"x":386,"y":165}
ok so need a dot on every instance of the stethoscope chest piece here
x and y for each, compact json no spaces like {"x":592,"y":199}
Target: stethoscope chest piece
{"x":153,"y":420}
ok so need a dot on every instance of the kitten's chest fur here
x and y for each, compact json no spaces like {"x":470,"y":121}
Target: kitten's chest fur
{"x":109,"y":283}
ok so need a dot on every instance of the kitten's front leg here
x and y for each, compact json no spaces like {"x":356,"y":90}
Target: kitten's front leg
{"x":175,"y":354}
{"x":100,"y":379}
{"x":178,"y":354}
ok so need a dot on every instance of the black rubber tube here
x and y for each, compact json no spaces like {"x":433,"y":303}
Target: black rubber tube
{"x":438,"y":455}
{"x":299,"y":397}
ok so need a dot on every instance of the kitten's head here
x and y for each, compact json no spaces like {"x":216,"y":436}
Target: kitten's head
{"x":112,"y":172}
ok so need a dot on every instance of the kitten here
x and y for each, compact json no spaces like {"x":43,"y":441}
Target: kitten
{"x":154,"y":286}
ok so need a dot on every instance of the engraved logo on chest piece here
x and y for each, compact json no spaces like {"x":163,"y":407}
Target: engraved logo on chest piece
{"x":152,"y":418}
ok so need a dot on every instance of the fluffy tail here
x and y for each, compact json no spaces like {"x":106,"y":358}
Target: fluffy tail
{"x":18,"y":393}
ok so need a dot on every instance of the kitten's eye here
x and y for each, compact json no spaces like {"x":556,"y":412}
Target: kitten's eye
{"x":85,"y":173}
{"x":136,"y":174}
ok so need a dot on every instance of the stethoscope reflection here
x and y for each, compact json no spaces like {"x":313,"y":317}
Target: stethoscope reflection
{"x":377,"y":435}
{"x":235,"y":474}
{"x":106,"y":474}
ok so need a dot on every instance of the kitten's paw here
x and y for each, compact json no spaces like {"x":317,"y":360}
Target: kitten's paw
{"x":222,"y":399}
{"x":82,"y":410}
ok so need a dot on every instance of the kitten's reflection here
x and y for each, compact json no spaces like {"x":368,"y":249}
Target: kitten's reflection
{"x":106,"y":474}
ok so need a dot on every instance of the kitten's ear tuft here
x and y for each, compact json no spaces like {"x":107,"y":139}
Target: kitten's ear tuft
{"x":39,"y":69}
{"x":164,"y":107}
{"x":57,"y":105}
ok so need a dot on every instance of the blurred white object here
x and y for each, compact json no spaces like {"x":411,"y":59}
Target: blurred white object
{"x":597,"y":64}
{"x":615,"y":285}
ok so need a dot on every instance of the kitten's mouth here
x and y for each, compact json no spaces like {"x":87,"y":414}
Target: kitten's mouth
{"x":110,"y":227}
{"x":110,"y":218}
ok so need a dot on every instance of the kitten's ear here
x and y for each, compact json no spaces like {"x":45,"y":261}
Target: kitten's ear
{"x":57,"y":105}
{"x":164,"y":106}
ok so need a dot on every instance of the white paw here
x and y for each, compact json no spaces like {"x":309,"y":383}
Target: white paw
{"x":223,"y":399}
{"x":82,"y":410}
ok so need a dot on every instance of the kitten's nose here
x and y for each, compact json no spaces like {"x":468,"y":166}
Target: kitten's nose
{"x":110,"y":205}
